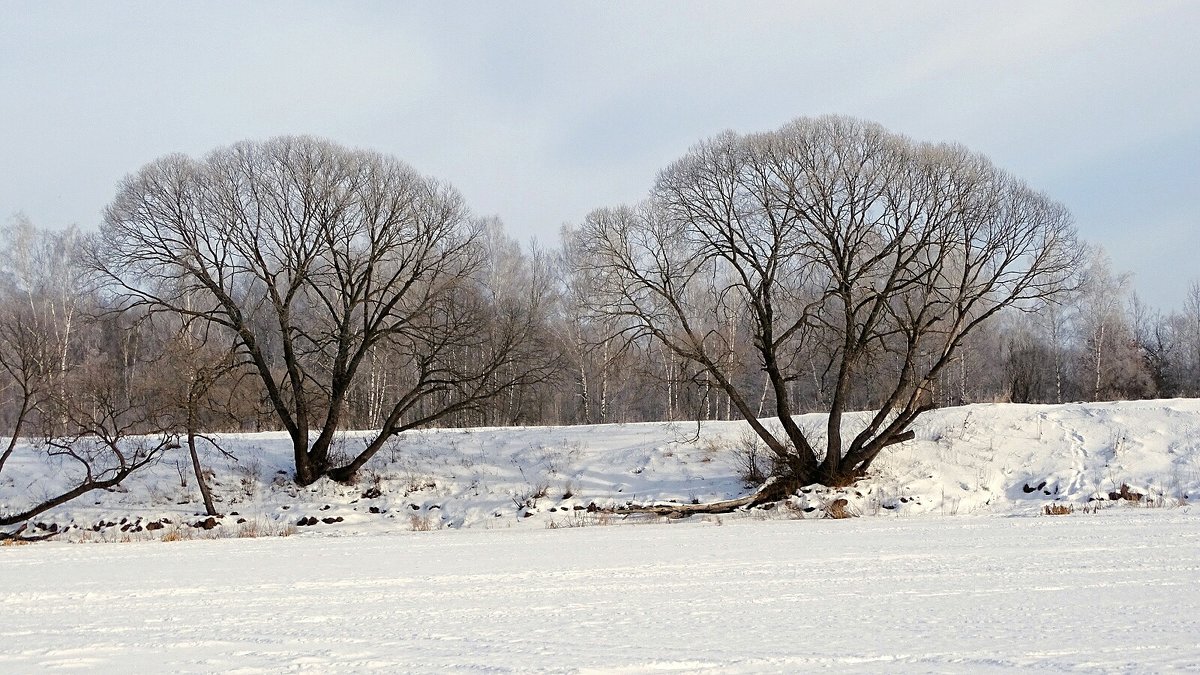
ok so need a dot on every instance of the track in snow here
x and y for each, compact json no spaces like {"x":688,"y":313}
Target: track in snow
{"x":1116,"y":591}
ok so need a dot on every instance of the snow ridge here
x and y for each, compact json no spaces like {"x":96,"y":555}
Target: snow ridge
{"x":976,"y":459}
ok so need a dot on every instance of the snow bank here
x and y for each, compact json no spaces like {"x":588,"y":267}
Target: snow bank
{"x":998,"y":458}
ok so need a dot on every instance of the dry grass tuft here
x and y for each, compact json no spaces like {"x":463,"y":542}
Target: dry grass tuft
{"x":581,"y":519}
{"x":177,"y":533}
{"x":252,"y":529}
{"x":419,"y":523}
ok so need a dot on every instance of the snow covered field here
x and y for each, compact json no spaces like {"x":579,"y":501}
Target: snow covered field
{"x":1116,"y":591}
{"x":954,"y":566}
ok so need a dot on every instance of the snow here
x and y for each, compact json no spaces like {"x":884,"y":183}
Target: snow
{"x":973,"y":459}
{"x":953,"y":567}
{"x":1114,"y":592}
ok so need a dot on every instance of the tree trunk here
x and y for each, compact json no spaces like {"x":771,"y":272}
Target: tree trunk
{"x":604,"y":384}
{"x":307,"y":470}
{"x":201,"y":481}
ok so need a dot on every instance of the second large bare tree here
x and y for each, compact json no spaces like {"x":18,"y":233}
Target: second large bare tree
{"x":831,"y":242}
{"x":309,"y":257}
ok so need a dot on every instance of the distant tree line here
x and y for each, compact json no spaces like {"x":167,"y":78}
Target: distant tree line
{"x":300,"y":286}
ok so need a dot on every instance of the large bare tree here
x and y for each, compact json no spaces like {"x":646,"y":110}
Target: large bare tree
{"x":831,"y":245}
{"x":311,"y":257}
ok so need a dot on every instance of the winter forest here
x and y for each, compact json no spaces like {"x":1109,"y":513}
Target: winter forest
{"x":599,"y":337}
{"x":301,"y":286}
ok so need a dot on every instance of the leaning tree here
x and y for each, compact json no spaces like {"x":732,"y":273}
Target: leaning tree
{"x":72,"y":426}
{"x":829,"y":241}
{"x":309,"y":258}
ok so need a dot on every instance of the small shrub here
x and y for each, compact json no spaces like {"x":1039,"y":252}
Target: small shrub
{"x":250,"y":477}
{"x":710,"y":448}
{"x":250,"y":529}
{"x":419,"y":523}
{"x":580,"y":519}
{"x":950,"y":506}
{"x":393,"y":450}
{"x":419,"y":483}
{"x":374,"y":479}
{"x":528,"y":500}
{"x":177,"y":534}
{"x":750,"y":459}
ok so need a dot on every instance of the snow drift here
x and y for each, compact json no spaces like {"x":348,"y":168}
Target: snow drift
{"x":987,"y":458}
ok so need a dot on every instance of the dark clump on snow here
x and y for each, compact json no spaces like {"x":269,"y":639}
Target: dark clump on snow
{"x":837,"y":509}
{"x":1125,"y":493}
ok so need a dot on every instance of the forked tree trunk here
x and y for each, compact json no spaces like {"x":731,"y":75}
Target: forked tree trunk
{"x":307,"y":469}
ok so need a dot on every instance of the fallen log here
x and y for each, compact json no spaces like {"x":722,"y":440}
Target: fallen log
{"x":769,"y":491}
{"x":16,"y":535}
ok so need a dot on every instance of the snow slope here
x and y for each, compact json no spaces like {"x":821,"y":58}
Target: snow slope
{"x":1110,"y":592}
{"x":955,"y":569}
{"x":997,"y":458}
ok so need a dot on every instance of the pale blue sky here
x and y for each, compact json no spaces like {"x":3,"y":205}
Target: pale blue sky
{"x":540,"y":112}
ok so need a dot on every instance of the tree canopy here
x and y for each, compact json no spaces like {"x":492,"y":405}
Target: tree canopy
{"x":829,"y":245}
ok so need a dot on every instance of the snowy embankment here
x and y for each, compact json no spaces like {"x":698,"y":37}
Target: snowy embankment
{"x":937,"y":578}
{"x":997,"y":458}
{"x":1109,"y":592}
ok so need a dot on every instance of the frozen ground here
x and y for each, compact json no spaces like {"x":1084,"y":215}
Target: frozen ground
{"x":998,"y":459}
{"x":953,"y":568}
{"x":1117,"y":591}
